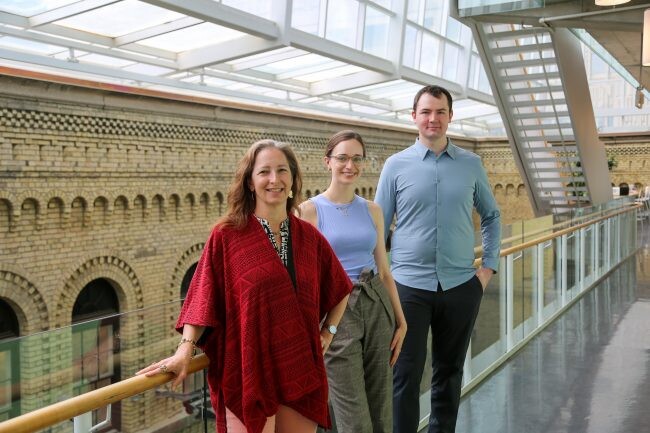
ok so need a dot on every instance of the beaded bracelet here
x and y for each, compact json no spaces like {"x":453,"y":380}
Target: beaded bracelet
{"x":186,"y":340}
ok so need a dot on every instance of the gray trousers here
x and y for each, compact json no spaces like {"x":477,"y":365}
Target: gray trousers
{"x":358,"y":361}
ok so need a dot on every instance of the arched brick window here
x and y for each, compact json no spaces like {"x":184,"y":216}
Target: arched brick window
{"x":95,"y":356}
{"x":9,"y":363}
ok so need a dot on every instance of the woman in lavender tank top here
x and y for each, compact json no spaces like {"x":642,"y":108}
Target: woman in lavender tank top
{"x":369,"y":337}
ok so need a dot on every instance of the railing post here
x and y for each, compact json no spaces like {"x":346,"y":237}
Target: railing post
{"x":510,"y":301}
{"x":540,"y":283}
{"x":563,"y":287}
{"x":582,"y":234}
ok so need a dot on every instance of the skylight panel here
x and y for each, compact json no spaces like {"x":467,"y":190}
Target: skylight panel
{"x":152,"y":70}
{"x":29,"y":46}
{"x":99,"y":59}
{"x":120,"y":18}
{"x":189,"y":38}
{"x":339,"y":72}
{"x":295,"y":63}
{"x":28,"y":8}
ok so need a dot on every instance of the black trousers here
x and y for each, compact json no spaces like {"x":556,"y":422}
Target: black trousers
{"x":451,"y":316}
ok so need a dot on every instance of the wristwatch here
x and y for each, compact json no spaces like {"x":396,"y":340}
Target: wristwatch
{"x":331,"y":329}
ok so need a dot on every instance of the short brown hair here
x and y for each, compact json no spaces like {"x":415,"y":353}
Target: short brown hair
{"x":435,"y":91}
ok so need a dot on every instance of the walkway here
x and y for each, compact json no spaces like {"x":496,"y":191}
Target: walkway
{"x":589,"y":372}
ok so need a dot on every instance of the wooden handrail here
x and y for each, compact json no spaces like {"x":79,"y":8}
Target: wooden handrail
{"x":539,"y":240}
{"x":64,"y":410}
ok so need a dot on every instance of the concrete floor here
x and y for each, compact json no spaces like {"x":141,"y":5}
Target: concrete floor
{"x":589,"y":372}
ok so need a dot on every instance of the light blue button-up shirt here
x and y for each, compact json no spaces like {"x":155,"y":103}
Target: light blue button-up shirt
{"x":432,"y":198}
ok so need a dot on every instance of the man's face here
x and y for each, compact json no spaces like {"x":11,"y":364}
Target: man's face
{"x":432,"y":117}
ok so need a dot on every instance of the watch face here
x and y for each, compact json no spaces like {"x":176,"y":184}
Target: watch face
{"x":332,"y":329}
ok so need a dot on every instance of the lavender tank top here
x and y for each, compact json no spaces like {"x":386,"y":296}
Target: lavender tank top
{"x":351,"y":232}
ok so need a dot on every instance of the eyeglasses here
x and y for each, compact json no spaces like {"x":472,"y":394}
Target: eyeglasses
{"x":343,"y":159}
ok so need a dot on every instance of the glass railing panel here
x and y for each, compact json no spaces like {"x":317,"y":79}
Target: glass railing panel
{"x":589,"y":240}
{"x":56,"y":365}
{"x":551,"y":277}
{"x":489,"y":336}
{"x":603,"y":247}
{"x":573,"y":264}
{"x":523,"y":294}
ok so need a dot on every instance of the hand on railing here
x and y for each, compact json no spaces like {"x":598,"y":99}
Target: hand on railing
{"x":176,"y":364}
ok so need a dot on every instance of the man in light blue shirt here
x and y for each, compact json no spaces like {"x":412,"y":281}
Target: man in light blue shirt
{"x":431,"y":188}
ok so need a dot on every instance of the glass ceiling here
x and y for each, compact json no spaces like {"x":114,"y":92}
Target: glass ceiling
{"x":361,"y":59}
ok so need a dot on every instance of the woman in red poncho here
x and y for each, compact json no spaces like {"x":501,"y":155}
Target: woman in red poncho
{"x":265,"y":283}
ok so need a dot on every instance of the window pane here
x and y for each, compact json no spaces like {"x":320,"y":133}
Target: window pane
{"x":342,"y":22}
{"x":429,"y":54}
{"x":305,"y":16}
{"x":410,"y":46}
{"x":413,"y":13}
{"x":375,"y":38}
{"x":106,"y":350}
{"x":453,"y":29}
{"x":450,"y":62}
{"x":433,"y":14}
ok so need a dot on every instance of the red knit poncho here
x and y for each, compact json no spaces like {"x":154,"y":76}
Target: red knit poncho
{"x":263,"y":336}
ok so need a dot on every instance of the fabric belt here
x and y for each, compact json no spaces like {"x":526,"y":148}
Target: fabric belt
{"x":365,"y":284}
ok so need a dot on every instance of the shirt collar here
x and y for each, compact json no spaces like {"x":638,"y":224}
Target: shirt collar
{"x":422,"y":150}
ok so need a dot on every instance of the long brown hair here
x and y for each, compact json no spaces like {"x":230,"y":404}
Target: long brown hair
{"x":241,"y":203}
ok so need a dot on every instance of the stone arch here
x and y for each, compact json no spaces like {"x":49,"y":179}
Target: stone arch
{"x":364,"y":192}
{"x":6,"y":215}
{"x":521,"y":189}
{"x":26,"y":301}
{"x":187,"y":259}
{"x":121,"y":209}
{"x":175,"y":205}
{"x":55,"y":213}
{"x":100,"y":211}
{"x":219,"y":203}
{"x":158,"y":208}
{"x":510,"y":189}
{"x":79,"y":212}
{"x":204,"y":202}
{"x":370,"y":193}
{"x":140,"y":208}
{"x":188,"y":203}
{"x":30,"y":210}
{"x":115,"y":270}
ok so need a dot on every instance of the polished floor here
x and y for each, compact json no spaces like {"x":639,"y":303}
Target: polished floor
{"x":588,"y":372}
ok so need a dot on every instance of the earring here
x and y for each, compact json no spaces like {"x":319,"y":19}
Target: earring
{"x":290,"y":194}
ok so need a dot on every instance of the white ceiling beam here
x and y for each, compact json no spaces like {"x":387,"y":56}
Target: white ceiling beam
{"x":225,"y":51}
{"x":104,"y":41}
{"x":347,"y":82}
{"x":68,"y":11}
{"x":479,"y":96}
{"x":333,"y":50}
{"x":419,"y":77}
{"x":271,"y":57}
{"x":13,"y":20}
{"x":161,"y":29}
{"x":67,"y":43}
{"x":217,"y":13}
